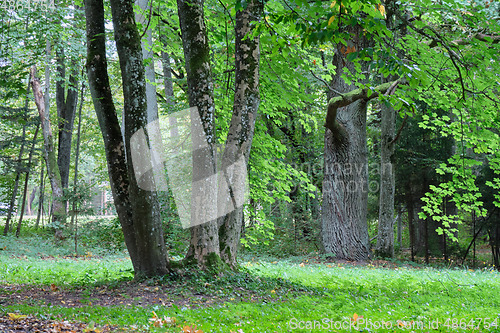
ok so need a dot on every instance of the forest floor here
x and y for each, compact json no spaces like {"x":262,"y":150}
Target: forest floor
{"x":43,"y":289}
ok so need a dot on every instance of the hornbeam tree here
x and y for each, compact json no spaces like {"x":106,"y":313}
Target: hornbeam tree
{"x":242,"y":127}
{"x":138,"y":209}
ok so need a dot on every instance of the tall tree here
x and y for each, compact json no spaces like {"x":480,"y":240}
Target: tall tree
{"x":345,"y":184}
{"x":137,"y":208}
{"x":241,"y":129}
{"x":66,"y":100}
{"x":204,"y":246}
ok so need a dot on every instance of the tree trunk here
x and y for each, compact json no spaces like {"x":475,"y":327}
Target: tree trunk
{"x":58,"y":209}
{"x":204,"y":245}
{"x":18,"y":169}
{"x":66,"y":100}
{"x":345,"y":195}
{"x":137,"y":208}
{"x":13,"y":197}
{"x":74,"y":207}
{"x":28,"y":171}
{"x":147,"y":55}
{"x":385,"y":239}
{"x":241,"y":130}
{"x":345,"y":184}
{"x":40,"y":197}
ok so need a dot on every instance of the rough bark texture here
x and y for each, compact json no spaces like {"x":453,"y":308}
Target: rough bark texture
{"x":204,"y":245}
{"x":242,"y":127}
{"x":147,"y":55}
{"x":66,"y":100}
{"x":58,"y":209}
{"x":345,"y":184}
{"x":385,"y":239}
{"x":136,"y":208}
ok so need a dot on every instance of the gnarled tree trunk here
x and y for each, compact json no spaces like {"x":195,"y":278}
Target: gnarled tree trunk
{"x":345,"y":184}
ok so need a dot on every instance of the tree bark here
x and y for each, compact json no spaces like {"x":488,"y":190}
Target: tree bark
{"x":137,"y":208}
{"x":385,"y":239}
{"x":345,"y":184}
{"x":18,"y":169}
{"x":204,"y":245}
{"x":148,"y":55}
{"x":58,"y":209}
{"x":28,"y":171}
{"x":40,"y":197}
{"x":241,"y":131}
{"x":66,"y":100}
{"x":13,"y":197}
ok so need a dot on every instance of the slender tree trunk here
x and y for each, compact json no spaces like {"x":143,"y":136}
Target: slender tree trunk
{"x":148,"y":55}
{"x":385,"y":239}
{"x":167,"y":79}
{"x":58,"y":209}
{"x":18,"y":169}
{"x":241,"y":131}
{"x":137,"y":208}
{"x":29,"y":207}
{"x":400,"y":228}
{"x":66,"y":100}
{"x":204,"y":245}
{"x":77,"y":160}
{"x":25,"y":192}
{"x":41,"y":195}
{"x":12,"y":203}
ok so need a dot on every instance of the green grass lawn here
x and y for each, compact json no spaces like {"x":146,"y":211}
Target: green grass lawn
{"x":269,"y":295}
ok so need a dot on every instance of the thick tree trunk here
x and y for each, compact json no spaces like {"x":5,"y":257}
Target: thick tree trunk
{"x":137,"y":208}
{"x":345,"y":189}
{"x":385,"y":239}
{"x":241,"y":131}
{"x":345,"y":184}
{"x":58,"y":209}
{"x":204,"y":246}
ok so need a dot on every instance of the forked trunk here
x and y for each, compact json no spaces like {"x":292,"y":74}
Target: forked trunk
{"x":241,"y":131}
{"x":137,"y":208}
{"x":204,"y":245}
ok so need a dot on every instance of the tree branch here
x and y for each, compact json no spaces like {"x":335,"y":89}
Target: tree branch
{"x":346,"y":99}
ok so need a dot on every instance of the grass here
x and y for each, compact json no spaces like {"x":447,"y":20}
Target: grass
{"x":268,"y":295}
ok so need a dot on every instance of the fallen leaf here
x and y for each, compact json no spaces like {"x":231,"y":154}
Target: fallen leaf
{"x":15,"y":316}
